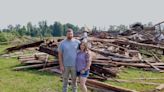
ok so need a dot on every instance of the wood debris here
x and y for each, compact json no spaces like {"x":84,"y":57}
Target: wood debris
{"x":108,"y":55}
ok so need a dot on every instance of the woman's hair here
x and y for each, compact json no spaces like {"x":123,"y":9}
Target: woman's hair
{"x":85,"y":45}
{"x":86,"y":50}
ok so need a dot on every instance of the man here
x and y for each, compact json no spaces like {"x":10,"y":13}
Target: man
{"x":84,"y":35}
{"x":67,"y":53}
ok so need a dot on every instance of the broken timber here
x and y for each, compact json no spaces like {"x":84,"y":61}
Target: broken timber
{"x":118,"y":59}
{"x":35,"y":66}
{"x":129,"y":42}
{"x":24,"y":46}
{"x":48,"y":50}
{"x":139,"y":65}
{"x":159,"y":88}
{"x":108,"y":53}
{"x":100,"y":85}
{"x":105,"y":86}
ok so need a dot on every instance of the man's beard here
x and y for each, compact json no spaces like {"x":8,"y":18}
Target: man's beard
{"x":69,"y":38}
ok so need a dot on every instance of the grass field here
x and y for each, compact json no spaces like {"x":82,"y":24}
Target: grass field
{"x":25,"y":81}
{"x":131,"y":73}
{"x":35,"y":81}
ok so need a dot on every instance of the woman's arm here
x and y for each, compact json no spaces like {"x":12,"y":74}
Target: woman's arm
{"x":89,"y":60}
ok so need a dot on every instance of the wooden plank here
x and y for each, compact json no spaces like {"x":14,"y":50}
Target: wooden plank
{"x":48,"y":50}
{"x":29,"y":45}
{"x":55,"y":70}
{"x":140,"y":65}
{"x":132,"y":81}
{"x":101,"y":85}
{"x":140,"y":44}
{"x":156,"y":68}
{"x":33,"y":62}
{"x":108,"y":53}
{"x":155,"y":56}
{"x":119,"y":59}
{"x":147,"y":78}
{"x":103,"y":71}
{"x":46,"y":61}
{"x":128,"y":42}
{"x":95,"y":89}
{"x":160,"y":87}
{"x":27,"y":59}
{"x":35,"y":66}
{"x":106,"y":86}
{"x":48,"y":68}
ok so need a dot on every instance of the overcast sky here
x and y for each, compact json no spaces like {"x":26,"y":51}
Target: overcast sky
{"x":81,"y":12}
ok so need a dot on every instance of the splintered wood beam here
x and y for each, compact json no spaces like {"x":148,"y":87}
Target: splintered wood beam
{"x":118,"y":59}
{"x":27,"y":59}
{"x":49,"y":68}
{"x":153,"y":66}
{"x":129,"y":42}
{"x":139,"y":65}
{"x":105,"y":86}
{"x":146,"y":78}
{"x":99,"y":85}
{"x":155,"y":56}
{"x":109,"y":43}
{"x":108,"y":53}
{"x":132,"y":81}
{"x":156,"y":68}
{"x":35,"y":66}
{"x":33,"y":62}
{"x":48,"y":50}
{"x":159,"y":88}
{"x":24,"y":46}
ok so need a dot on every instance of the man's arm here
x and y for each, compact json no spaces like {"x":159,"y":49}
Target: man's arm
{"x":60,"y":57}
{"x":60,"y":61}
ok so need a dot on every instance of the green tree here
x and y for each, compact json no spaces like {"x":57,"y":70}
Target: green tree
{"x":122,"y":28}
{"x":29,"y":29}
{"x":57,"y":29}
{"x":44,"y":29}
{"x":75,"y":28}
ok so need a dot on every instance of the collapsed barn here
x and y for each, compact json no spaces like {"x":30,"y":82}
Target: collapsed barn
{"x":140,"y":47}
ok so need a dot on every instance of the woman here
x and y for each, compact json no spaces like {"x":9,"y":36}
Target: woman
{"x":83,"y":63}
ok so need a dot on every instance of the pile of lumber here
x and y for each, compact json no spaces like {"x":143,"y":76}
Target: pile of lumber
{"x":24,"y":46}
{"x":117,"y":52}
{"x":36,"y":61}
{"x":41,"y":62}
{"x":114,"y":53}
{"x":109,"y":56}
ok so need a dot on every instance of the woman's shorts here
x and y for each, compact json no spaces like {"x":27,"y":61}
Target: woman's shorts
{"x":85,"y":74}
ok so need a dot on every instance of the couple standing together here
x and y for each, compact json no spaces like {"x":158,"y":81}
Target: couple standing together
{"x":74,"y":60}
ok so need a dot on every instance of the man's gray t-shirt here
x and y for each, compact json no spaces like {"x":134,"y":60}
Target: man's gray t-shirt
{"x":69,"y":51}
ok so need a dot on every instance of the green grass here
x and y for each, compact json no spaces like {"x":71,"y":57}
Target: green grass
{"x":3,"y":47}
{"x":131,"y":73}
{"x":26,"y":81}
{"x":35,"y":81}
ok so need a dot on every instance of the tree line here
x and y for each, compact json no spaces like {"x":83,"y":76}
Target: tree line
{"x":40,"y":30}
{"x":57,"y":29}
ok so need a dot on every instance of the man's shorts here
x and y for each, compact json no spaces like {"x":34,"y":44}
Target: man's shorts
{"x":85,"y":74}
